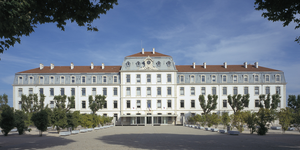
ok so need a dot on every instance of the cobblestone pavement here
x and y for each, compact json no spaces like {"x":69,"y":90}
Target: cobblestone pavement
{"x":157,"y":138}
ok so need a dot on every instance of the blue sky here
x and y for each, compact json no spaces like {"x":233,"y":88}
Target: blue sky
{"x":214,"y":32}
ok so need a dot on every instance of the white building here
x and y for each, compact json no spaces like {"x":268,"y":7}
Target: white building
{"x":149,"y":88}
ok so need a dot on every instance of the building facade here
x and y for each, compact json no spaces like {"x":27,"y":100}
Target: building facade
{"x":149,"y":88}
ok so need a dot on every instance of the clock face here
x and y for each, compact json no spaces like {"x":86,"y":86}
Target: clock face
{"x":148,"y":62}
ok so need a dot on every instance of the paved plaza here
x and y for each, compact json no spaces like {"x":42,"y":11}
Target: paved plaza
{"x":151,"y":137}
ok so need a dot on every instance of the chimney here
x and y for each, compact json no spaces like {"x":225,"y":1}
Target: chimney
{"x":52,"y":66}
{"x":225,"y":65}
{"x":143,"y":50}
{"x":153,"y":50}
{"x":41,"y":66}
{"x":194,"y":65}
{"x":92,"y":65}
{"x":204,"y":65}
{"x":256,"y":64}
{"x":72,"y":65}
{"x":245,"y":64}
{"x":102,"y":65}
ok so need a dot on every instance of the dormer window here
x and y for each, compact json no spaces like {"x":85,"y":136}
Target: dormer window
{"x":246,"y":78}
{"x":168,"y":63}
{"x":192,"y":79}
{"x":138,"y":64}
{"x":267,"y":78}
{"x":182,"y":79}
{"x":51,"y":80}
{"x":224,"y":78}
{"x":203,"y":78}
{"x":20,"y":80}
{"x":73,"y":79}
{"x":235,"y":78}
{"x":115,"y":79}
{"x":83,"y":79}
{"x":62,"y":80}
{"x":30,"y":80}
{"x":104,"y":79}
{"x":127,"y":64}
{"x":256,"y":78}
{"x":158,"y":64}
{"x":213,"y":78}
{"x":94,"y":79}
{"x":41,"y":80}
{"x":277,"y":78}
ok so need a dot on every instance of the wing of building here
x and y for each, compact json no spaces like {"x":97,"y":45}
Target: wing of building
{"x":148,"y":88}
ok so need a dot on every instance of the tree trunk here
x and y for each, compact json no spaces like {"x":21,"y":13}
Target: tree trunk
{"x":40,"y":132}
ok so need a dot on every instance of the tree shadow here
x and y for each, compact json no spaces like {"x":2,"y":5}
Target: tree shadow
{"x":31,"y":141}
{"x":186,"y":141}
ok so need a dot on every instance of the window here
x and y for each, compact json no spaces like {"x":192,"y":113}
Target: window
{"x":277,"y":78}
{"x":278,"y":90}
{"x":41,"y":91}
{"x":73,"y":79}
{"x":267,"y":90}
{"x":20,"y":92}
{"x":62,"y":80}
{"x":256,"y":103}
{"x":203,"y":90}
{"x":83,"y":104}
{"x":115,"y":91}
{"x":158,"y":64}
{"x":182,"y":79}
{"x":138,"y":104}
{"x":104,"y":90}
{"x":158,"y":103}
{"x":105,"y":104}
{"x":148,"y":78}
{"x":83,"y":79}
{"x":224,"y":103}
{"x":256,"y":90}
{"x":181,"y":90}
{"x":192,"y":103}
{"x":62,"y":91}
{"x":267,"y":78}
{"x":128,"y":78}
{"x":169,"y":103}
{"x":138,"y":91}
{"x":158,"y":90}
{"x":20,"y":81}
{"x":192,"y":90}
{"x":181,"y":103}
{"x":30,"y":80}
{"x":30,"y":91}
{"x":246,"y":104}
{"x":256,"y":78}
{"x":72,"y":91}
{"x":203,"y":78}
{"x":104,"y":80}
{"x":214,"y":91}
{"x":168,"y":63}
{"x":213,"y":78}
{"x":235,"y":78}
{"x":94,"y":80}
{"x":94,"y":91}
{"x":20,"y":104}
{"x":148,"y":103}
{"x":169,"y":91}
{"x":51,"y":91}
{"x":159,"y":78}
{"x":41,"y":80}
{"x":192,"y":80}
{"x":246,"y":90}
{"x":169,"y":78}
{"x":105,"y":115}
{"x":127,"y":91}
{"x":224,"y":78}
{"x":83,"y":92}
{"x":148,"y":90}
{"x":138,"y":78}
{"x":235,"y":91}
{"x":246,"y":78}
{"x":224,"y":90}
{"x":51,"y":104}
{"x":115,"y":104}
{"x":115,"y":79}
{"x":116,"y":117}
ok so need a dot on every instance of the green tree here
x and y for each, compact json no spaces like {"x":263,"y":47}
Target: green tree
{"x":296,"y":120}
{"x":41,"y":120}
{"x":285,"y":118}
{"x":19,"y":18}
{"x":238,"y":120}
{"x":210,"y":105}
{"x":209,"y":120}
{"x":264,"y":116}
{"x":215,"y":120}
{"x":280,"y":10}
{"x":96,"y":104}
{"x":86,"y":120}
{"x":7,"y":119}
{"x":225,"y":119}
{"x":59,"y":119}
{"x":251,"y":121}
{"x":61,"y":100}
{"x":76,"y":117}
{"x":265,"y":102}
{"x":31,"y":103}
{"x":238,"y":102}
{"x":20,"y":118}
{"x":3,"y":101}
{"x":294,"y":103}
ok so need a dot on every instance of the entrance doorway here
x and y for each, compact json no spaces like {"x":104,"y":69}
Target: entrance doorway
{"x":138,"y":120}
{"x":149,"y":120}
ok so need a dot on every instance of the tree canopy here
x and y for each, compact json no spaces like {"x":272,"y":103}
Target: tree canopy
{"x":19,"y":18}
{"x":210,"y":105}
{"x":281,"y":10}
{"x":238,"y":102}
{"x":96,"y":104}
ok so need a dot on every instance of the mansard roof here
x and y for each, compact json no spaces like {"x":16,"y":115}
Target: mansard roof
{"x":220,"y":68}
{"x":146,"y":54}
{"x":77,"y":69}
